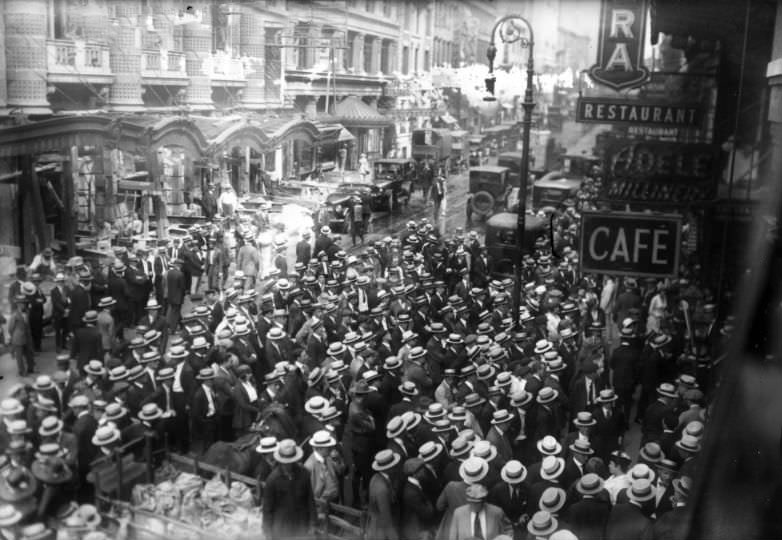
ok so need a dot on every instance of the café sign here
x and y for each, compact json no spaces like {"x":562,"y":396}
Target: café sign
{"x":655,"y":171}
{"x":625,"y":243}
{"x":626,"y":112}
{"x":620,"y":45}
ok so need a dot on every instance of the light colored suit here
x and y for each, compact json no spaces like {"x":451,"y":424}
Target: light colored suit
{"x":496,"y":523}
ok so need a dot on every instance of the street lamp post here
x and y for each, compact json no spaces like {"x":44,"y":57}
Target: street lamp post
{"x":511,"y":33}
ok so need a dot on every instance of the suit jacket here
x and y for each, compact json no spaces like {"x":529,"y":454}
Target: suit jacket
{"x":245,"y":412}
{"x":496,"y":523}
{"x":501,"y":442}
{"x":87,"y":345}
{"x":652,"y":427}
{"x":19,"y":329}
{"x":587,"y":518}
{"x":60,"y":302}
{"x":381,"y":523}
{"x":175,"y":287}
{"x":626,"y":520}
{"x":288,"y":504}
{"x":605,"y":435}
{"x":671,"y":525}
{"x":80,"y":304}
{"x":417,"y":512}
{"x":513,"y":506}
{"x":83,"y":429}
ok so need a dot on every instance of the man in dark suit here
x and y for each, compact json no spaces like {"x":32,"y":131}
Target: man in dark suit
{"x":624,"y":366}
{"x":175,"y":294}
{"x":60,"y":308}
{"x":498,"y":435}
{"x":630,"y":519}
{"x":481,"y":269}
{"x":610,"y":425}
{"x":117,"y":288}
{"x":87,"y":344}
{"x":652,"y":427}
{"x":585,"y":389}
{"x":417,"y":517}
{"x":204,"y":413}
{"x":138,"y":288}
{"x":183,"y":386}
{"x":80,"y":300}
{"x":193,"y":266}
{"x":83,"y":429}
{"x":289,"y":506}
{"x":511,"y":495}
{"x":587,"y":517}
{"x":304,"y":248}
{"x":675,"y":522}
{"x":246,"y":404}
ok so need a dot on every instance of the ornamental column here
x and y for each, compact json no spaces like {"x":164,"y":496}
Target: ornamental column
{"x":251,"y":44}
{"x":25,"y":55}
{"x":358,"y":53}
{"x":125,"y":57}
{"x":197,"y":45}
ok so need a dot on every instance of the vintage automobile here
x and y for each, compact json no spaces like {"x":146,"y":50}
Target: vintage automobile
{"x":554,"y":189}
{"x":460,"y":149}
{"x":395,"y":169}
{"x":490,"y":189}
{"x":479,"y":153}
{"x":501,"y":239}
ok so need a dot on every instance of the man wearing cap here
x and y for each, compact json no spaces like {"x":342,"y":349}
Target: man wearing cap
{"x":289,"y":505}
{"x":478,"y":519}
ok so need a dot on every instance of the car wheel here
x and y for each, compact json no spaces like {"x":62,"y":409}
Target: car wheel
{"x":482,"y":204}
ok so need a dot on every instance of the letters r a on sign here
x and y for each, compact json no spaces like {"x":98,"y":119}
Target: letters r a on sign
{"x":621,"y":45}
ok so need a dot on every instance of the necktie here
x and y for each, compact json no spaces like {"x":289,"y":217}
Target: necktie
{"x":608,"y":414}
{"x":477,"y":530}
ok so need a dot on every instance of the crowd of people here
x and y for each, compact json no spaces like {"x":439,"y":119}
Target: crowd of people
{"x":393,"y":380}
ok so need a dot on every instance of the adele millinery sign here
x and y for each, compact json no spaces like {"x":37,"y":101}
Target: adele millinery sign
{"x":620,"y":45}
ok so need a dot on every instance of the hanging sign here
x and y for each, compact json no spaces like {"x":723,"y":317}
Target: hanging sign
{"x":655,"y":171}
{"x":620,"y":45}
{"x":633,"y":244}
{"x":626,"y":112}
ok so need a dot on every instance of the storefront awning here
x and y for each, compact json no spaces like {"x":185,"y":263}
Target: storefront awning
{"x":353,"y":112}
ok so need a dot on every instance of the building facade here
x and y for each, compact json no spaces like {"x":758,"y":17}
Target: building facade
{"x":111,"y":110}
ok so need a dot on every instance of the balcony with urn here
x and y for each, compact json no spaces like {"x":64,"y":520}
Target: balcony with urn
{"x":162,"y":67}
{"x":78,"y":62}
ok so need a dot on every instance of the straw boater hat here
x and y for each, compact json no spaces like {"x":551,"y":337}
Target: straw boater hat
{"x":288,"y":452}
{"x":552,"y":500}
{"x":385,"y":460}
{"x":513,"y":472}
{"x":105,"y":435}
{"x":322,"y":439}
{"x":551,"y":467}
{"x":542,"y":524}
{"x":473,"y":470}
{"x":641,"y":491}
{"x":430,"y":450}
{"x":266,"y":445}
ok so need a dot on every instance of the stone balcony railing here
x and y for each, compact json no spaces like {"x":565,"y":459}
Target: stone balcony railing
{"x":74,"y":59}
{"x":227,"y":68}
{"x":163,"y":64}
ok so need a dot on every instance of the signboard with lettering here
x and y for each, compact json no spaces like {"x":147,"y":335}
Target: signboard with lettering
{"x":620,"y":46}
{"x":656,"y":171}
{"x":627,"y":112}
{"x":634,"y":244}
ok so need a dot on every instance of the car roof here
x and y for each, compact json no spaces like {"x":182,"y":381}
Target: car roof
{"x":489,"y":168}
{"x":508,"y":220}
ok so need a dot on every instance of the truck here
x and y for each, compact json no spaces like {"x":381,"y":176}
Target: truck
{"x":434,"y":145}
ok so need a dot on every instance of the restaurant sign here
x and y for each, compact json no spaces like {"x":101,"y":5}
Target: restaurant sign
{"x":654,"y":171}
{"x":627,"y":112}
{"x":620,"y":46}
{"x":635,"y":244}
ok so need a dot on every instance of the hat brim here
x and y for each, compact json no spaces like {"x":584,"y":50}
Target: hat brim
{"x":380,"y":467}
{"x":508,"y":480}
{"x":543,"y":532}
{"x":576,"y":450}
{"x":474,"y":479}
{"x":556,"y":473}
{"x":114,"y":438}
{"x":578,"y":423}
{"x":296,"y":457}
{"x":437,"y":453}
{"x":200,"y":377}
{"x":553,"y":397}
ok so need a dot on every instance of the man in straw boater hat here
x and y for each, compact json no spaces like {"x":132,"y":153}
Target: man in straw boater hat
{"x":587,"y":516}
{"x":382,"y":521}
{"x":630,"y":519}
{"x":289,"y":506}
{"x":325,"y":466}
{"x":204,"y":412}
{"x":477,"y":518}
{"x":511,"y":495}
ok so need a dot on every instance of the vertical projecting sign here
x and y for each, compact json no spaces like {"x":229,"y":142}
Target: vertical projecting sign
{"x":620,"y":45}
